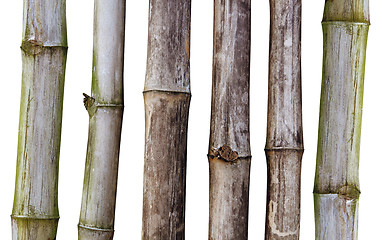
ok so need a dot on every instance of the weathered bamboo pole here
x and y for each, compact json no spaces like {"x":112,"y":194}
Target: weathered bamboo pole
{"x":105,"y":108}
{"x":167,"y":97}
{"x":44,"y":48}
{"x":284,"y":144}
{"x":336,"y":190}
{"x":229,"y":148}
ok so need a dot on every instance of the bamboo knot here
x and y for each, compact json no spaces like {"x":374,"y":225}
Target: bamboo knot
{"x":225,"y":153}
{"x":349,"y":192}
{"x":89,"y":103}
{"x":31,"y":46}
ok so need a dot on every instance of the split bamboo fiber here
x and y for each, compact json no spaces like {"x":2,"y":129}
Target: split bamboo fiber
{"x":336,"y":189}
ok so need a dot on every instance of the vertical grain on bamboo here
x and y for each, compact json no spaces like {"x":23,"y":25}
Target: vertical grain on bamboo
{"x":167,"y":97}
{"x":284,"y":144}
{"x":336,"y":190}
{"x":105,"y":108}
{"x":229,"y":146}
{"x":44,"y":48}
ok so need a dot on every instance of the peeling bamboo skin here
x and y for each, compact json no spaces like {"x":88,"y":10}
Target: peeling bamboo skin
{"x":105,"y":109}
{"x":44,"y":47}
{"x":167,"y":97}
{"x":336,"y":188}
{"x":229,"y":178}
{"x":165,"y":165}
{"x":284,"y":144}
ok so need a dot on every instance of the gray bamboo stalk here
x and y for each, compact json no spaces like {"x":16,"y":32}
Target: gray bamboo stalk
{"x":229,"y":147}
{"x":105,"y":108}
{"x":284,"y":144}
{"x":44,"y":48}
{"x":336,"y":190}
{"x":167,"y":97}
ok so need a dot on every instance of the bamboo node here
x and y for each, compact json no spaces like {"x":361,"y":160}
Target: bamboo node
{"x":30,"y":217}
{"x":95,"y":228}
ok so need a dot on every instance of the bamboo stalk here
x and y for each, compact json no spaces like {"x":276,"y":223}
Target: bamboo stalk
{"x":284,"y":145}
{"x":105,"y":108}
{"x":44,"y":48}
{"x":229,"y":148}
{"x":336,"y":190}
{"x":167,"y":97}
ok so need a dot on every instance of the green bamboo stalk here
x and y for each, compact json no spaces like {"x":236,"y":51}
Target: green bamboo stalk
{"x":105,"y":108}
{"x":167,"y":97}
{"x":44,"y":49}
{"x":229,"y":147}
{"x":336,"y":190}
{"x":284,"y":145}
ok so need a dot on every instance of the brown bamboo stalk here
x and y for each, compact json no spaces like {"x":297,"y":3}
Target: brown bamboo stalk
{"x":229,"y":148}
{"x":105,"y":108}
{"x":44,"y":48}
{"x":284,"y":143}
{"x":167,"y":97}
{"x":345,"y":28}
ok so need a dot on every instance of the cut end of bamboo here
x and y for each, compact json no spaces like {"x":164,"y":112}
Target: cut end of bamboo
{"x":24,"y":228}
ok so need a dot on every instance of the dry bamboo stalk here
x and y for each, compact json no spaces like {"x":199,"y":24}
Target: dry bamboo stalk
{"x":44,"y":48}
{"x":336,"y":190}
{"x":105,"y":108}
{"x":229,"y":148}
{"x":167,"y":96}
{"x":284,"y":144}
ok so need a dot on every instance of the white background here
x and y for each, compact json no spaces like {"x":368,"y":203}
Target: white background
{"x":129,"y":195}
